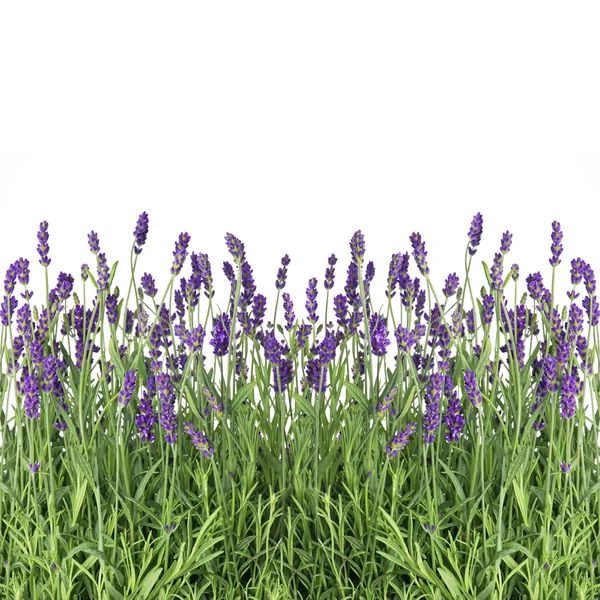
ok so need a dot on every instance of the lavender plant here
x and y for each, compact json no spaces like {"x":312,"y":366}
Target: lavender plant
{"x":155,"y":445}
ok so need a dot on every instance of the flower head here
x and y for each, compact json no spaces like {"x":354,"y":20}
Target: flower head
{"x":128,"y":388}
{"x":282,"y":273}
{"x":419,"y":253}
{"x":471,"y":388}
{"x":311,"y":303}
{"x":43,"y":247}
{"x":400,"y":440}
{"x":357,"y":247}
{"x":180,"y":253}
{"x":235,"y":247}
{"x":451,"y":286}
{"x":140,"y":232}
{"x":379,"y":335}
{"x":475,"y":233}
{"x":556,"y":247}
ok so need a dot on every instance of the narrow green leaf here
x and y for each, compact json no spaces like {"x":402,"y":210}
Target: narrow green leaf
{"x":241,"y":395}
{"x":484,"y":358}
{"x":116,"y":357}
{"x":148,"y":583}
{"x":358,"y":395}
{"x":451,"y":583}
{"x":304,"y":405}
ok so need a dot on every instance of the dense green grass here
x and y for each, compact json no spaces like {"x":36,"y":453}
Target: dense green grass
{"x":298,"y":498}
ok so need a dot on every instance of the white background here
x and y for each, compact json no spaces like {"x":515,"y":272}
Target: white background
{"x":292,"y":126}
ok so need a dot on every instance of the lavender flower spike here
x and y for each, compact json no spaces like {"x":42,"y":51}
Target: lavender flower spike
{"x":311,"y":303}
{"x":32,"y":397}
{"x":180,"y":253}
{"x":43,"y":247}
{"x":126,"y":392}
{"x":140,"y":232}
{"x":556,"y":247}
{"x":475,"y":233}
{"x":235,"y":247}
{"x":419,"y":253}
{"x":94,"y":242}
{"x":168,"y":420}
{"x":472,"y":390}
{"x":357,"y":247}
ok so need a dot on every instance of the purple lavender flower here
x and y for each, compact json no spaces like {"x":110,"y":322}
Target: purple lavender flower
{"x":431,"y":418}
{"x":311,"y":303}
{"x":216,"y":406}
{"x":49,"y":367}
{"x":578,"y":267}
{"x":488,"y":308}
{"x":382,"y":407}
{"x":302,"y":334}
{"x":24,"y":322}
{"x":221,"y":332}
{"x":282,"y":273}
{"x":352,"y":285}
{"x":551,"y":373}
{"x":140,"y":232}
{"x":514,"y":272}
{"x":316,"y":375}
{"x":589,"y":279}
{"x":357,"y":247}
{"x":341,"y":309}
{"x":202,"y":273}
{"x":475,"y":233}
{"x":400,"y":440}
{"x":146,"y":417}
{"x":369,"y":274}
{"x":454,"y":419}
{"x":111,"y":308}
{"x":505,"y":242}
{"x":451,"y":286}
{"x":199,"y":440}
{"x":568,"y":401}
{"x":565,"y":468}
{"x":128,"y":388}
{"x":379,"y":335}
{"x":64,"y":286}
{"x":148,"y":285}
{"x":11,"y":279}
{"x":94,"y":242}
{"x":22,"y":266}
{"x":420,"y":305}
{"x":43,"y":247}
{"x":330,"y":273}
{"x":592,"y":310}
{"x":259,"y":307}
{"x":471,"y":388}
{"x":180,"y":253}
{"x":575,"y":322}
{"x":31,"y":401}
{"x":168,"y":420}
{"x":103,"y":272}
{"x":85,"y":271}
{"x":419,"y":253}
{"x":556,"y":247}
{"x":288,"y":307}
{"x":34,"y":468}
{"x":496,"y":273}
{"x":235,"y":247}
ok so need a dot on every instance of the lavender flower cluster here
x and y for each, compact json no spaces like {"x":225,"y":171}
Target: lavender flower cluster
{"x":427,"y":343}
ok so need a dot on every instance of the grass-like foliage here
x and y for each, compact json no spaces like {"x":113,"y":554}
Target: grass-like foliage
{"x":155,"y":446}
